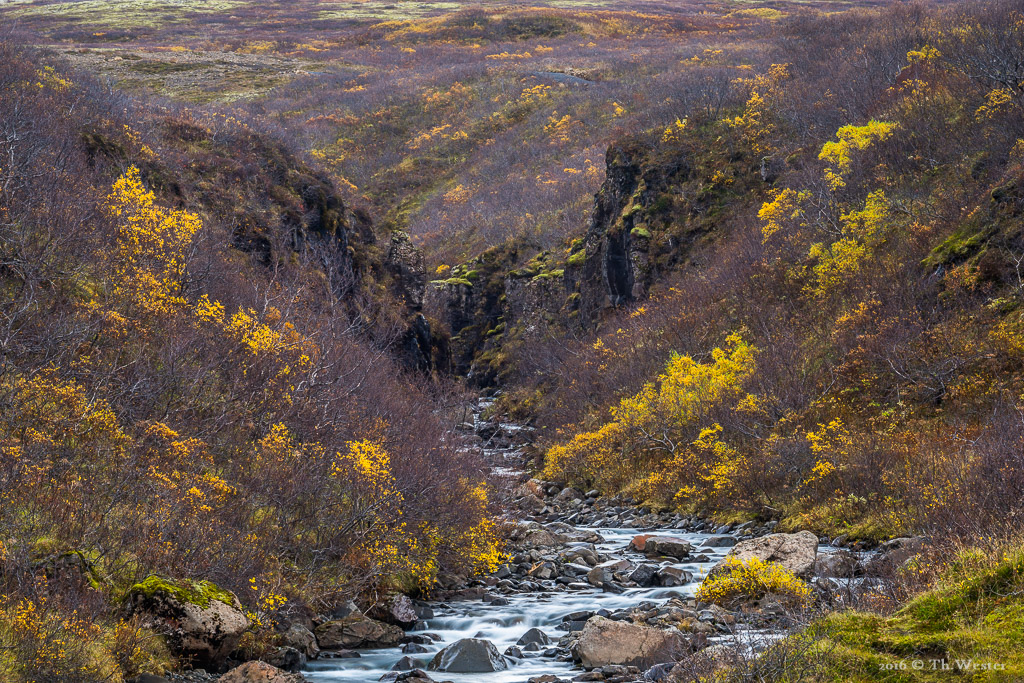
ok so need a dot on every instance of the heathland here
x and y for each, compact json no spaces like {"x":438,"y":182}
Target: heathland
{"x":735,"y":261}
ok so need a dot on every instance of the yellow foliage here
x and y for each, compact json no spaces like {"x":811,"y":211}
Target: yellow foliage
{"x":751,"y":580}
{"x":152,"y":243}
{"x":831,"y":445}
{"x":838,"y":262}
{"x":560,"y":129}
{"x":687,"y":389}
{"x":631,"y":447}
{"x":995,"y":102}
{"x":784,"y":208}
{"x":925,"y":53}
{"x":458,"y":195}
{"x":674,"y":132}
{"x":851,"y":138}
{"x":587,"y":456}
{"x":755,"y":123}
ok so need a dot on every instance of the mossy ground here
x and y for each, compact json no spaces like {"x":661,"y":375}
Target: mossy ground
{"x":970,"y":626}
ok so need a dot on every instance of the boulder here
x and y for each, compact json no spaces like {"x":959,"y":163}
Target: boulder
{"x":408,"y":663}
{"x":894,"y":554}
{"x":671,"y":546}
{"x":540,"y":538}
{"x":414,"y":649}
{"x":543,"y":571}
{"x":200,"y":622}
{"x":397,"y":610}
{"x":605,"y":642}
{"x":302,"y":639}
{"x":260,"y":672}
{"x":469,"y":656}
{"x":534,"y":635}
{"x":644,"y":575}
{"x":719,"y":542}
{"x":796,"y":552}
{"x":286,"y":658}
{"x":357,"y":631}
{"x":639,"y":542}
{"x":603,"y":574}
{"x":670,"y":577}
{"x":840,"y":564}
{"x":414,"y":676}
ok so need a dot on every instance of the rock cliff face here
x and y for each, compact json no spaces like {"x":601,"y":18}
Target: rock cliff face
{"x":614,"y":266}
{"x":656,"y":203}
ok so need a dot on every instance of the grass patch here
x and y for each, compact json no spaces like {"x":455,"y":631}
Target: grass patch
{"x":970,"y":626}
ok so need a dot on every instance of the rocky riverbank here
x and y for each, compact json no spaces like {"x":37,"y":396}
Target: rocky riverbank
{"x":596,"y":589}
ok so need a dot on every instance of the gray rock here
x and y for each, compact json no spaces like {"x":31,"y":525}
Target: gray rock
{"x":286,"y":658}
{"x":796,"y":552}
{"x":671,"y":546}
{"x":605,"y":642}
{"x":302,"y":639}
{"x":414,"y":676}
{"x":719,"y":542}
{"x":671,"y":577}
{"x":894,"y":554}
{"x":414,"y":649}
{"x":205,"y":633}
{"x":534,"y":635}
{"x":357,"y":631}
{"x":838,"y":564}
{"x":643,"y":575}
{"x":260,"y":672}
{"x":408,"y":663}
{"x":603,"y":574}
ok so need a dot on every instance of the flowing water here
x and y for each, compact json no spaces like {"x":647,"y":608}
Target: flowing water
{"x":503,"y":625}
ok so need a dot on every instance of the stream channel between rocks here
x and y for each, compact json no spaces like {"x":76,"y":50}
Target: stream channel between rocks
{"x":544,"y":609}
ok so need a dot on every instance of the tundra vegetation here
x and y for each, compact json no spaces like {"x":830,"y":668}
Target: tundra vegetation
{"x":797,"y":296}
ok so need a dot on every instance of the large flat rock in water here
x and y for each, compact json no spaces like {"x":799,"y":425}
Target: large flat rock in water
{"x":670,"y":546}
{"x":356,"y":631}
{"x":796,"y":552}
{"x":605,"y":642}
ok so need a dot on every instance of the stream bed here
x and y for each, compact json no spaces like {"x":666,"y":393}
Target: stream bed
{"x":504,"y":624}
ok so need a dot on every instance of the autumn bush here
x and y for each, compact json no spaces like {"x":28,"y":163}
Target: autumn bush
{"x":753,"y":579}
{"x":873,"y":273}
{"x":198,"y":382}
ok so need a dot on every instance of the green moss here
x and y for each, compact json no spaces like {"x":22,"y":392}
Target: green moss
{"x":550,"y":275}
{"x":959,"y":246}
{"x":577,"y":258}
{"x":640,"y":231}
{"x":453,"y":281}
{"x":975,"y":613}
{"x":192,"y":592}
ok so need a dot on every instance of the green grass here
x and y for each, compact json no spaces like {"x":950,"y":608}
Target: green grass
{"x":975,"y":614}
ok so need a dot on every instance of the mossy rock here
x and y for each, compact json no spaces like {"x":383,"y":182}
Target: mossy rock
{"x":198,"y":593}
{"x":641,"y":232}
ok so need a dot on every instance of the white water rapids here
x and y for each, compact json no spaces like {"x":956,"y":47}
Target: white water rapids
{"x":504,"y":624}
